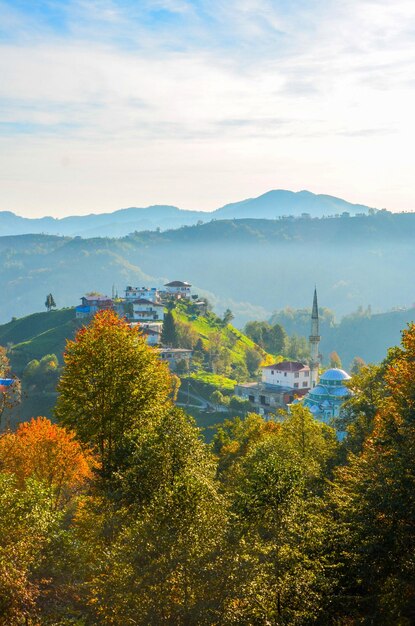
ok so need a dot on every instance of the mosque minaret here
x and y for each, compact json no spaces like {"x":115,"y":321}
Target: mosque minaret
{"x":314,"y":343}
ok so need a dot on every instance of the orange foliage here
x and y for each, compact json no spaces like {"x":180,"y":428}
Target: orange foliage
{"x":48,"y":453}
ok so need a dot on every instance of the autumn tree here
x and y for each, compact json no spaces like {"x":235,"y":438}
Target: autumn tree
{"x":112,"y":385}
{"x":374,"y":498}
{"x":335,"y":360}
{"x":48,"y":453}
{"x":356,"y":365}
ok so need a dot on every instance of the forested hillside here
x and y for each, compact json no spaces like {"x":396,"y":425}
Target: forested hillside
{"x":361,"y":333}
{"x":252,"y":266}
{"x":121,"y":514}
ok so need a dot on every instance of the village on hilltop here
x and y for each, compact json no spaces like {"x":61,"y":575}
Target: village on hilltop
{"x":282,"y":384}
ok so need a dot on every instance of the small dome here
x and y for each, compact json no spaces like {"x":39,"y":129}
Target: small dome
{"x":334,"y":374}
{"x":319,"y":390}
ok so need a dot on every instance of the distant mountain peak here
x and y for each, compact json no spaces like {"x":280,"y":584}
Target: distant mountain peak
{"x":272,"y":204}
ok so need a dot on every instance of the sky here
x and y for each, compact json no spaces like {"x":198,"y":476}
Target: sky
{"x":115,"y":103}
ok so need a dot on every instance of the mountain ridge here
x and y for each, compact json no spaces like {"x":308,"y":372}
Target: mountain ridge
{"x":272,"y":204}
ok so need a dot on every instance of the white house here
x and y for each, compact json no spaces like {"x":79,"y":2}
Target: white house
{"x":142,"y":293}
{"x":291,"y":374}
{"x":178,"y":289}
{"x":147,"y":311}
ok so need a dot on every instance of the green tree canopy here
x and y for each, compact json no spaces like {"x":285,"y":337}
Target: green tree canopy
{"x":112,"y":384}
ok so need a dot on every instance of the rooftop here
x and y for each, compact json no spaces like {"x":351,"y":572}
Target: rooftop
{"x":144,"y":301}
{"x":177,"y":283}
{"x":287,"y":366}
{"x":97,"y":298}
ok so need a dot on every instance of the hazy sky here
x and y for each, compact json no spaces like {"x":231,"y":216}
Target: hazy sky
{"x":107,"y":104}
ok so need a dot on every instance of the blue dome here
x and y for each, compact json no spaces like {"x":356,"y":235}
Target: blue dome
{"x":334,"y":374}
{"x":340,"y":392}
{"x":318,"y":391}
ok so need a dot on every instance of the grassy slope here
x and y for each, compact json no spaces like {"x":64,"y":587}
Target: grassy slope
{"x":206,"y":328}
{"x":33,"y":336}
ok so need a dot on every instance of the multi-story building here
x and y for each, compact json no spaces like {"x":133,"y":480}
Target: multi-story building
{"x":290,"y":374}
{"x":147,"y":311}
{"x":142,"y":293}
{"x":178,"y":289}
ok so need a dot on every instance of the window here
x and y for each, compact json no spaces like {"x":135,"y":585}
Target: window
{"x":272,"y":372}
{"x":297,"y":375}
{"x":285,"y":373}
{"x":305,"y":384}
{"x":306,"y":373}
{"x":296,"y":385}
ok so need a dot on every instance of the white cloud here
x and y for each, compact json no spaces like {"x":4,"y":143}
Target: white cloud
{"x":239,"y":98}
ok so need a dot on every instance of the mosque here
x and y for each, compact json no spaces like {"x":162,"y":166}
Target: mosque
{"x":290,"y":382}
{"x":326,"y":394}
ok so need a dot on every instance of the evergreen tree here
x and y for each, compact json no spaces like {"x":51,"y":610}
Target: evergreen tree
{"x":50,"y":302}
{"x":227,"y":317}
{"x":169,"y":332}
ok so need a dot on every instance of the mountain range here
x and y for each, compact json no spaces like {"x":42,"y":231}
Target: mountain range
{"x":252,"y":266}
{"x":271,"y":205}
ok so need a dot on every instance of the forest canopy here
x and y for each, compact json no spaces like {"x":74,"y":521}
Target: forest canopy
{"x":120,"y":512}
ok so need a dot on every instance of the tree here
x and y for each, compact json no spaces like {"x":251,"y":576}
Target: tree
{"x":253,"y":360}
{"x":48,"y":453}
{"x":169,"y":332}
{"x":160,"y":564}
{"x":239,"y":405}
{"x":279,"y":571}
{"x":228,"y":316}
{"x":50,"y":302}
{"x":374,"y":499}
{"x":279,"y":340}
{"x":216,"y":397}
{"x":297,"y":348}
{"x":112,"y":384}
{"x":270,"y":338}
{"x":186,"y":336}
{"x":356,"y":365}
{"x":335,"y":360}
{"x":27,"y":524}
